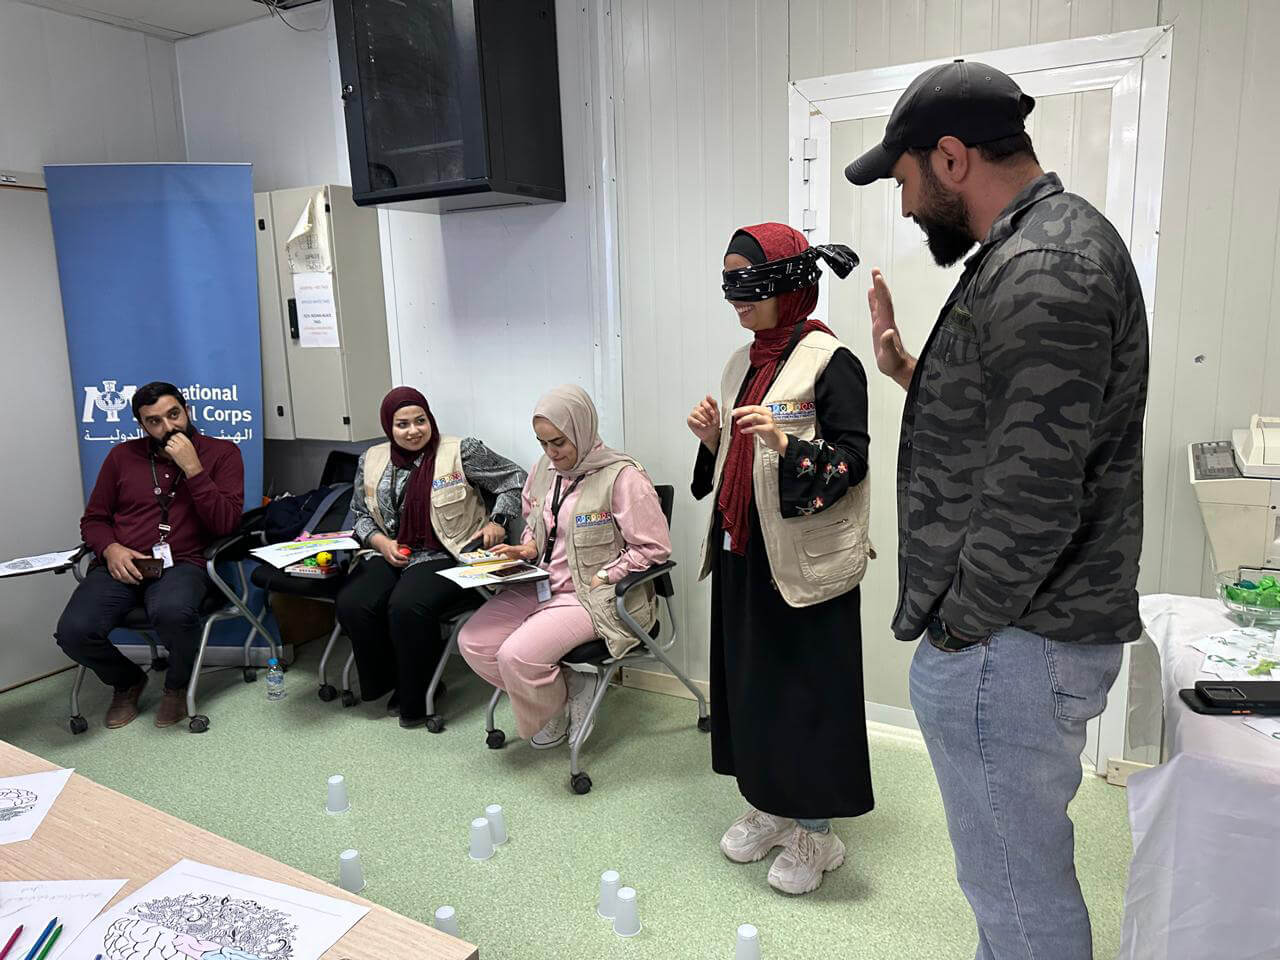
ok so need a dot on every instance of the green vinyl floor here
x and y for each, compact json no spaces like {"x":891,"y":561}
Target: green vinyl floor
{"x":655,"y":814}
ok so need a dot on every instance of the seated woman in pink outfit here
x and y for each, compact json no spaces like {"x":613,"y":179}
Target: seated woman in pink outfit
{"x":592,"y":517}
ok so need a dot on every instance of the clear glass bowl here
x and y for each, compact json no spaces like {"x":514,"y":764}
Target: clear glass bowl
{"x":1248,"y":613}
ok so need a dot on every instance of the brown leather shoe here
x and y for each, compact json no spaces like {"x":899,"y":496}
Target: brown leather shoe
{"x":124,"y":705}
{"x":172,"y":708}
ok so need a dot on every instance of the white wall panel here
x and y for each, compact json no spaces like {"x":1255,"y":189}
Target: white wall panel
{"x":76,"y":91}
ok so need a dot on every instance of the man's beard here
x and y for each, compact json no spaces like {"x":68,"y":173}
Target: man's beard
{"x":945,"y":222}
{"x":157,"y":446}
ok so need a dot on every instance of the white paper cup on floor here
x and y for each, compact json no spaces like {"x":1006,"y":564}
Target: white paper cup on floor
{"x":626,"y":922}
{"x":497,"y":824}
{"x":350,"y":873}
{"x":337,"y":802}
{"x":607,"y":905}
{"x":481,"y":839}
{"x":748,"y":943}
{"x":447,"y":921}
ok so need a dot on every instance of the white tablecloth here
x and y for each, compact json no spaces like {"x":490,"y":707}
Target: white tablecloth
{"x":1205,"y":878}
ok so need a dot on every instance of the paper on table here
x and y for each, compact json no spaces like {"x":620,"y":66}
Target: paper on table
{"x":26,"y":800}
{"x":280,"y":555}
{"x":1234,"y":655}
{"x":482,"y":575}
{"x":1267,"y":726}
{"x":1247,"y":642}
{"x":317,"y":310}
{"x":308,"y":245}
{"x":74,"y":902}
{"x":195,"y":910}
{"x":43,"y":561}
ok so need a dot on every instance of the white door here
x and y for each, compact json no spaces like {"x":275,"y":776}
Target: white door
{"x":1085,"y":127}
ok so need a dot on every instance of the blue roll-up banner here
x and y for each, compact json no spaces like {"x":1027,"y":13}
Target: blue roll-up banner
{"x":158,"y":269}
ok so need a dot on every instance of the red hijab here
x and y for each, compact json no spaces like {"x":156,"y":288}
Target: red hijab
{"x":415,"y":529}
{"x":778,"y":241}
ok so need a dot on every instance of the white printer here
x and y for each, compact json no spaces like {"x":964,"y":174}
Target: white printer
{"x":1238,"y":485}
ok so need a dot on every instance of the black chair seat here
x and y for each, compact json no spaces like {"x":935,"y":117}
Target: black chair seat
{"x":136,"y":619}
{"x":277,"y":581}
{"x":593,"y":651}
{"x":596,"y":651}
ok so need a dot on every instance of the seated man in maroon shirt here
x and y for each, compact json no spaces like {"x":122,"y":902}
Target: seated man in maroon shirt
{"x":169,"y":495}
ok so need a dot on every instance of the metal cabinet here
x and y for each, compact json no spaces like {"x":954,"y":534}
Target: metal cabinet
{"x":322,"y":392}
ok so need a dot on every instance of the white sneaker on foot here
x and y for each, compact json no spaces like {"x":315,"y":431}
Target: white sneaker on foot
{"x":754,"y":834}
{"x":552,"y":735}
{"x":808,"y":855}
{"x":582,"y":690}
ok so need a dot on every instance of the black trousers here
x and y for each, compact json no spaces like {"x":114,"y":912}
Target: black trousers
{"x":100,"y":603}
{"x":393,"y":619}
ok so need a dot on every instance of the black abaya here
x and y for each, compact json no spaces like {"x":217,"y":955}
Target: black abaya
{"x":788,"y":718}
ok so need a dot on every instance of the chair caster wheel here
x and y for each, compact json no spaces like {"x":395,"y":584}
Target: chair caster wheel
{"x":78,"y":724}
{"x":328,"y":692}
{"x":348,"y":698}
{"x":496,"y":740}
{"x":581,"y":783}
{"x":250,"y":674}
{"x":704,"y":724}
{"x":159,"y":664}
{"x":435,"y":723}
{"x":199,"y":724}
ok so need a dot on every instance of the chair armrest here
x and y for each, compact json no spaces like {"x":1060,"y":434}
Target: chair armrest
{"x":73,"y":563}
{"x":235,"y":546}
{"x":633,"y":580}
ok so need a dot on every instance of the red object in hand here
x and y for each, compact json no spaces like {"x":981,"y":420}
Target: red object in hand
{"x":404,"y":551}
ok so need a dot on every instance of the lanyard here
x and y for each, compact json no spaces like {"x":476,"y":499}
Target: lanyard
{"x":165,"y":500}
{"x":555,"y":515}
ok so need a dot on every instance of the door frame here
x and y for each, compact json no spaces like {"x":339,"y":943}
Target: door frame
{"x":1133,"y":65}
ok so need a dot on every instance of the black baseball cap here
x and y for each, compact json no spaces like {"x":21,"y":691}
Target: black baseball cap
{"x":964,"y":99}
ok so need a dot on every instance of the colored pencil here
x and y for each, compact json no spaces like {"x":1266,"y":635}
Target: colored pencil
{"x":49,"y":946}
{"x":40,"y":942}
{"x":12,"y":940}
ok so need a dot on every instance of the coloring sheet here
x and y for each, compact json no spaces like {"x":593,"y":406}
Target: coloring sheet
{"x":74,"y":902}
{"x":193,"y":911}
{"x":24,"y":802}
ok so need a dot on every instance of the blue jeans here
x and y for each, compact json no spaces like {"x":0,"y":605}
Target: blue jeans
{"x":1004,"y":722}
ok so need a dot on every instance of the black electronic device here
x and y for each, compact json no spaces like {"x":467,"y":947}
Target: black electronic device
{"x":451,"y":104}
{"x":1213,"y":460}
{"x":1234,"y":696}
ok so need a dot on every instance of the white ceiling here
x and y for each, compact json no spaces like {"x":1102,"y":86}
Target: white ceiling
{"x":171,"y":19}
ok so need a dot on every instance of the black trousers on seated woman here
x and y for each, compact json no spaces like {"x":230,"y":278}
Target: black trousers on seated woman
{"x":393,"y":619}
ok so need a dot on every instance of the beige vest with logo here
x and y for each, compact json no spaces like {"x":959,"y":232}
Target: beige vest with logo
{"x":812,"y":558}
{"x":457,"y":509}
{"x":595,"y":541}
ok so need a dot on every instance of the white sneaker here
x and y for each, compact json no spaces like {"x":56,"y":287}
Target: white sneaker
{"x":552,"y":735}
{"x":808,"y":855}
{"x":582,"y":690}
{"x":754,"y":834}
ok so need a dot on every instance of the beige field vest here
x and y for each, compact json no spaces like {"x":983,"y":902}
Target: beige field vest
{"x":595,"y":541}
{"x":457,"y":509}
{"x":813,"y":558}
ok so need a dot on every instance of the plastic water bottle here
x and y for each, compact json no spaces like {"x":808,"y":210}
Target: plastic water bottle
{"x":275,"y":680}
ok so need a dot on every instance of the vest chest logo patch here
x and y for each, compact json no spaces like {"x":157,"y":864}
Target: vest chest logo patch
{"x":598,"y":519}
{"x":448,"y":480}
{"x":792,"y":411}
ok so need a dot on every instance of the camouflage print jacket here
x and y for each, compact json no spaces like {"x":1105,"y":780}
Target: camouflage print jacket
{"x":1020,"y":461}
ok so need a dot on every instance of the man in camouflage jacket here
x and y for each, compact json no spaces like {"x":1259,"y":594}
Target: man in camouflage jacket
{"x":1019,"y":492}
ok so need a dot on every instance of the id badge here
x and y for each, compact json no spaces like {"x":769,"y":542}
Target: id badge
{"x":544,"y":591}
{"x":162,"y":551}
{"x":728,"y":541}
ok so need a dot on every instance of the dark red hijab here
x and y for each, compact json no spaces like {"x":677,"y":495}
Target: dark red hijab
{"x":415,"y":529}
{"x":778,"y":241}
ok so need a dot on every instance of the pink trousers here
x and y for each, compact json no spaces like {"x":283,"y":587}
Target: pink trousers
{"x":515,"y":643}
